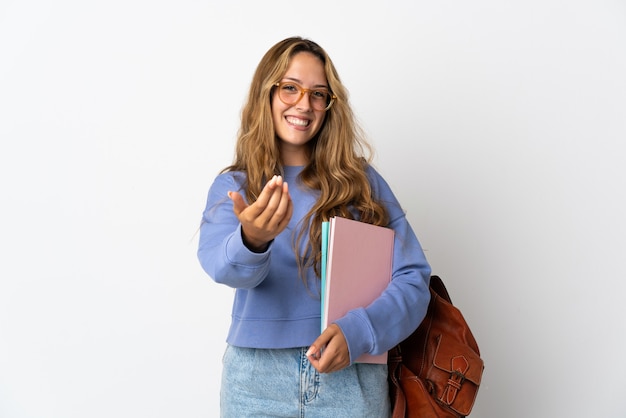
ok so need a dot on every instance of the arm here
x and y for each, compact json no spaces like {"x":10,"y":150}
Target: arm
{"x":400,"y":309}
{"x":395,"y":314}
{"x":235,"y":237}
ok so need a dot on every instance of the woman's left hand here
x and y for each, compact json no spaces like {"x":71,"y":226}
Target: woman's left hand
{"x":329,"y":352}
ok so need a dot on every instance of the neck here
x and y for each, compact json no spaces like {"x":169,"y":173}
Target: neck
{"x":294,"y":156}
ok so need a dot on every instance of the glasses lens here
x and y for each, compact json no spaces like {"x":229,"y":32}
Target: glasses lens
{"x":291,"y":93}
{"x":320,"y":99}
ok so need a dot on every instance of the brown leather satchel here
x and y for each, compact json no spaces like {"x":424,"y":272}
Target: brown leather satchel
{"x":436,"y":371}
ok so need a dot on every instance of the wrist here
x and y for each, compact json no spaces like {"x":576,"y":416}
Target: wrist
{"x":255,"y":246}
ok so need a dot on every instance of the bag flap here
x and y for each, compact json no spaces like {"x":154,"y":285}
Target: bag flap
{"x":455,"y":357}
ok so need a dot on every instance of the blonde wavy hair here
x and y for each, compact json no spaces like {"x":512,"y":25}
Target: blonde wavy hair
{"x":338,"y":154}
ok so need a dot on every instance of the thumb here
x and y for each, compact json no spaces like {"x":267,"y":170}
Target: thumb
{"x":315,"y":350}
{"x":238,"y":203}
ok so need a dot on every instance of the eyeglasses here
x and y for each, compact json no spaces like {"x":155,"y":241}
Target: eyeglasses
{"x":291,"y":93}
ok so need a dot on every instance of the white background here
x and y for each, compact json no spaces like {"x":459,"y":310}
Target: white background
{"x":500,"y":126}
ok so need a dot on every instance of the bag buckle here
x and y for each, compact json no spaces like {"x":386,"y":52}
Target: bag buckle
{"x":460,"y":377}
{"x":457,"y":377}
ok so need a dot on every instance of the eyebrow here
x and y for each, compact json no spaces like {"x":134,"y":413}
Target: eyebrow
{"x":295,"y":80}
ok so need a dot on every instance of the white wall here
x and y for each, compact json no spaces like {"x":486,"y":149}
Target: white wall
{"x":498,"y":124}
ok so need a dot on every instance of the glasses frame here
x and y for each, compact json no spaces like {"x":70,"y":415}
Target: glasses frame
{"x":303,"y":91}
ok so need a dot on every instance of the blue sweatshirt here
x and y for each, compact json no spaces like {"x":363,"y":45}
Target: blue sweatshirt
{"x":272,"y":306}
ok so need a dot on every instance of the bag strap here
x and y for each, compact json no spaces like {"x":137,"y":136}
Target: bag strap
{"x":436,"y":284}
{"x":394,"y":361}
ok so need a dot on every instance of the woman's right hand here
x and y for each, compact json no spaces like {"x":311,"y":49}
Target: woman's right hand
{"x":267,"y":217}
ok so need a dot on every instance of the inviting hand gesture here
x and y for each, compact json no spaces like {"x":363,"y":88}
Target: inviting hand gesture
{"x":267,"y":217}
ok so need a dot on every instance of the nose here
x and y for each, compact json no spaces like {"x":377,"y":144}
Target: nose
{"x":304,"y":104}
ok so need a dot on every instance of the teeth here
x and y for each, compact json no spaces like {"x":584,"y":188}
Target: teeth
{"x":296,"y":121}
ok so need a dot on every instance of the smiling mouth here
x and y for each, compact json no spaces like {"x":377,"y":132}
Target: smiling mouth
{"x":297,"y":121}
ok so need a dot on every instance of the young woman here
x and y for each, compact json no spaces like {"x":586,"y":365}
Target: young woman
{"x":301,"y":159}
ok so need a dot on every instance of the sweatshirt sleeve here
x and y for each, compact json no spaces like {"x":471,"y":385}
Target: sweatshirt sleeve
{"x":400,"y":309}
{"x":221,"y":251}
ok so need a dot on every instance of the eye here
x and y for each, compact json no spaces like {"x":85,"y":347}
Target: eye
{"x":319,"y":94}
{"x":290,"y":88}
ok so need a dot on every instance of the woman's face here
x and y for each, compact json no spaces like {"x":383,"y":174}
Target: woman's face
{"x":297,"y":124}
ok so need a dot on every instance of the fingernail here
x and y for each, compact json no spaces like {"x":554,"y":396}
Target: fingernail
{"x":309,"y":352}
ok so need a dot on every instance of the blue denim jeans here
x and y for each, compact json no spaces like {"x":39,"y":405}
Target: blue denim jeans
{"x":282,"y":383}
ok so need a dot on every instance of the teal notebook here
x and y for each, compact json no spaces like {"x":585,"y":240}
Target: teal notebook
{"x":325,"y":228}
